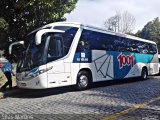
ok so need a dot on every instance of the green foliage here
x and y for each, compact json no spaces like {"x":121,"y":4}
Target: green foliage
{"x":151,"y":31}
{"x":23,"y":16}
{"x":3,"y":32}
{"x":19,"y":17}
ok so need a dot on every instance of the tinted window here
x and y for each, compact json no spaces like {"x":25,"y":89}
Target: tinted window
{"x":68,"y":36}
{"x":55,"y":48}
{"x":95,"y":41}
{"x":101,"y":41}
{"x":152,"y":48}
{"x":85,"y":41}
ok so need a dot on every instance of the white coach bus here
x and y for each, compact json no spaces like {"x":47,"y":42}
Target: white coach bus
{"x":62,"y":54}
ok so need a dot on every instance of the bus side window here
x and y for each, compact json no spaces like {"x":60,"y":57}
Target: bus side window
{"x":55,"y":48}
{"x":81,"y":46}
{"x":145,"y":48}
{"x":84,"y":42}
{"x":154,"y":48}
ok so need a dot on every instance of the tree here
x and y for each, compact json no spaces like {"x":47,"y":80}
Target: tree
{"x":113,"y":23}
{"x":23,"y":16}
{"x":3,"y":32}
{"x":151,"y":31}
{"x":123,"y":23}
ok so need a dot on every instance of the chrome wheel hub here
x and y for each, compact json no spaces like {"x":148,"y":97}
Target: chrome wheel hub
{"x":83,"y":81}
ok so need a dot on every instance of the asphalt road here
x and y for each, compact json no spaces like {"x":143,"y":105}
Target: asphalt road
{"x":130,"y":99}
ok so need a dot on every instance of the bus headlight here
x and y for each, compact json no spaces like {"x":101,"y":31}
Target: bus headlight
{"x":39,"y":72}
{"x":44,"y":70}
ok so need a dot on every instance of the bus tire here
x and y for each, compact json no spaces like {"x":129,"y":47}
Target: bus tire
{"x":83,"y":80}
{"x":144,"y":74}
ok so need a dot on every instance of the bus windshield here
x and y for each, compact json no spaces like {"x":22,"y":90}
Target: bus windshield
{"x":33,"y":55}
{"x":58,"y":46}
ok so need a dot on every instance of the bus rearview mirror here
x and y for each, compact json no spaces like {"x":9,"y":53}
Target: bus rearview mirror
{"x":13,"y":44}
{"x":40,"y":33}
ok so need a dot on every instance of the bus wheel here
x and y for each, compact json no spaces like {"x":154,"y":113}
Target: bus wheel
{"x":144,"y":74}
{"x":83,"y":80}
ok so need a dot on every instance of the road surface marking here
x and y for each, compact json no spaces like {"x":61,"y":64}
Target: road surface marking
{"x":138,"y":106}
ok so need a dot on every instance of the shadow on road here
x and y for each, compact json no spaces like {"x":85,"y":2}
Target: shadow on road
{"x":115,"y":82}
{"x":26,"y":93}
{"x":33,"y":93}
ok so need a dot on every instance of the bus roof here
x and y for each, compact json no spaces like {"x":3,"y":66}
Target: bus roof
{"x":98,"y":29}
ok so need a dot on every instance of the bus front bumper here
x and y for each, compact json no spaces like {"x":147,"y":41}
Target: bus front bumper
{"x":39,"y":82}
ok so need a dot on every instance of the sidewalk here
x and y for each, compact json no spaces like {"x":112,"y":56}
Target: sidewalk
{"x":8,"y":92}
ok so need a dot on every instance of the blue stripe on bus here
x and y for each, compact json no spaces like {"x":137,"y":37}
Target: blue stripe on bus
{"x":143,"y":58}
{"x":83,"y":57}
{"x":122,"y":62}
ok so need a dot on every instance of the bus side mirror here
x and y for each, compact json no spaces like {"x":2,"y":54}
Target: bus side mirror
{"x":15,"y":43}
{"x":39,"y":34}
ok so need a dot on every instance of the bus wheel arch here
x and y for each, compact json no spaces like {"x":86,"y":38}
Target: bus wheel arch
{"x":84,"y":79}
{"x":144,"y":73}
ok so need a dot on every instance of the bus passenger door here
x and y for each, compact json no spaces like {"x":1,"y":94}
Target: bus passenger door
{"x":54,"y":62}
